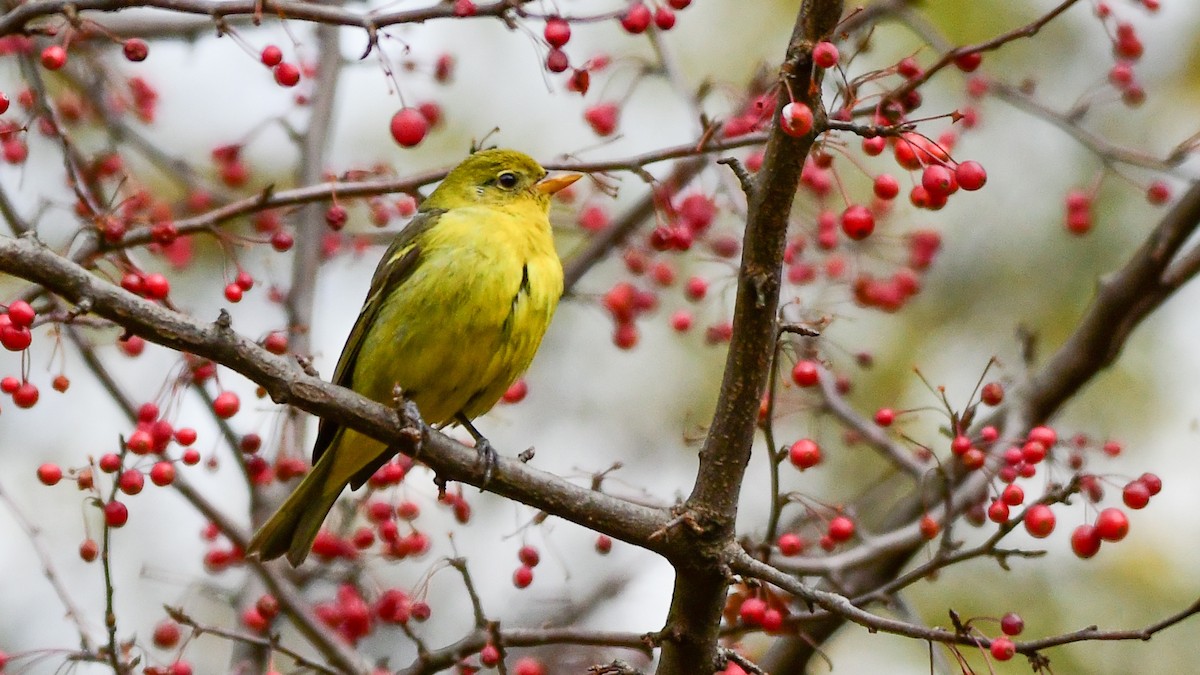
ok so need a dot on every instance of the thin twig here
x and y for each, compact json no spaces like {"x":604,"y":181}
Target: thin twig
{"x":34,"y":533}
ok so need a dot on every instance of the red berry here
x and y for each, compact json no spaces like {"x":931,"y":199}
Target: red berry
{"x":679,"y":4}
{"x":147,"y":412}
{"x":626,"y":336}
{"x":276,"y":342}
{"x":886,"y":186}
{"x":9,"y":384}
{"x":409,"y":127}
{"x":973,"y":459}
{"x":772,"y":620}
{"x":49,"y":474}
{"x":998,"y":512}
{"x":156,"y":286}
{"x":233,"y":292}
{"x":135,"y":49}
{"x":970,"y":175}
{"x":523,"y":576}
{"x":841,"y":528}
{"x":529,"y":556}
{"x":1158,"y":193}
{"x":4,"y":103}
{"x":489,"y":656}
{"x":796,"y":119}
{"x":557,"y":60}
{"x":54,"y":57}
{"x":109,"y":462}
{"x":287,"y":74}
{"x":1136,"y":495}
{"x":858,"y":222}
{"x":15,"y":151}
{"x":271,"y":56}
{"x":140,"y":442}
{"x":21,"y":314}
{"x":1112,"y":524}
{"x":464,"y":8}
{"x":166,"y":634}
{"x":282,"y":241}
{"x":1044,"y":435}
{"x":516,"y":392}
{"x":1039,"y":521}
{"x":929,"y":527}
{"x":185,"y":436}
{"x":664,"y":18}
{"x":825,"y":54}
{"x":1151,"y":481}
{"x":602,"y":117}
{"x":636,"y":19}
{"x":26,"y":395}
{"x":937,"y":180}
{"x":116,"y":514}
{"x":336,"y":217}
{"x":1033,"y":452}
{"x":15,"y":339}
{"x":960,"y":444}
{"x":1013,"y":495}
{"x":805,"y":454}
{"x":1003,"y":649}
{"x":992,"y":393}
{"x":254,"y":620}
{"x":968,"y":62}
{"x":557,"y":31}
{"x":89,"y":550}
{"x":162,"y":473}
{"x":226,"y":404}
{"x":60,"y":383}
{"x":131,"y":481}
{"x":885,"y":416}
{"x":874,"y":146}
{"x":791,"y":544}
{"x":1085,"y":541}
{"x":806,"y":373}
{"x":603,"y":544}
{"x":752,"y":611}
{"x":1012,"y":624}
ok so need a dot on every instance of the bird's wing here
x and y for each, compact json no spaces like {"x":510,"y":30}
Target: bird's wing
{"x":394,"y":268}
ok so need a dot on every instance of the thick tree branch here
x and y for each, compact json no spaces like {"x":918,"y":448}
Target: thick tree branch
{"x":18,"y":19}
{"x":690,"y":638}
{"x":287,"y":383}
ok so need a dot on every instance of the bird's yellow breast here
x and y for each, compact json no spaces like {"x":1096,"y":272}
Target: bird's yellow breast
{"x":472,"y":315}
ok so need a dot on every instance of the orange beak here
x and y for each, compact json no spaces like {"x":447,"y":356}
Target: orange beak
{"x":551,"y":184}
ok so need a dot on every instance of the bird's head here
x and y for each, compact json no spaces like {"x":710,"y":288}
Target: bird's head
{"x":497,"y":177}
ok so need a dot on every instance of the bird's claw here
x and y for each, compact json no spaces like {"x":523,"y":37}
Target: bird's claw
{"x":487,"y":455}
{"x":412,"y":425}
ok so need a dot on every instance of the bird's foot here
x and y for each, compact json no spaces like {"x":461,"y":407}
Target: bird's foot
{"x":487,"y":455}
{"x":412,"y":425}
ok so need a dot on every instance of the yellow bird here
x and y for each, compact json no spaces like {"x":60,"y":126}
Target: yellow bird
{"x":456,"y":310}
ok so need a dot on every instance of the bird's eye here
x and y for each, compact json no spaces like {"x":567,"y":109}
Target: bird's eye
{"x":507,"y":180}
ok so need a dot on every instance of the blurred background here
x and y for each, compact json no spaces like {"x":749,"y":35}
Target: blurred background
{"x":1007,"y":262}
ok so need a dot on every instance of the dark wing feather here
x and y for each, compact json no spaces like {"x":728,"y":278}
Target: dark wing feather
{"x":397,"y":264}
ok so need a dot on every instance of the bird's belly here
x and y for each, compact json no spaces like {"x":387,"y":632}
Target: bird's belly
{"x":476,"y":334}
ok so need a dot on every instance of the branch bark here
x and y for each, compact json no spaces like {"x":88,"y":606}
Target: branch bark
{"x":708,"y":517}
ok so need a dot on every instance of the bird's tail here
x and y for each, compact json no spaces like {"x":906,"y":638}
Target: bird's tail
{"x":294,"y":526}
